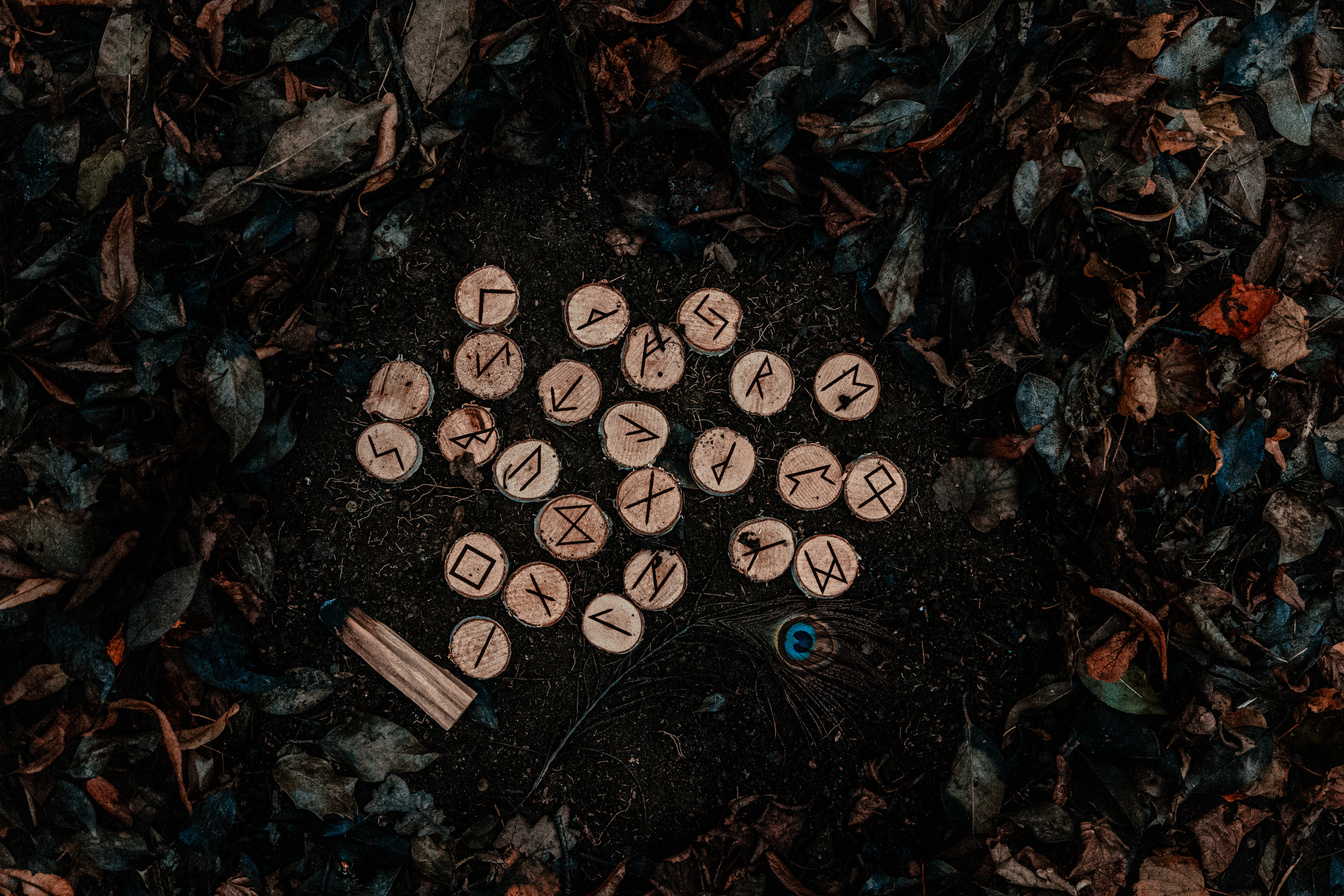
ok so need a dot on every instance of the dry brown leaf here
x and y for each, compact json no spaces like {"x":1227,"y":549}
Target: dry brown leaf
{"x":120,"y":280}
{"x":169,"y":739}
{"x":1138,"y":388}
{"x":1183,"y":380}
{"x":387,"y":147}
{"x":1168,"y":874}
{"x":17,"y":882}
{"x":1286,"y":590}
{"x":925,"y":349}
{"x":40,"y":681}
{"x":1282,"y":340}
{"x":244,"y":597}
{"x":102,"y":568}
{"x":1331,"y":665}
{"x":1110,"y":660}
{"x":786,"y":877}
{"x":238,"y":885}
{"x":1219,"y":834}
{"x":673,"y":10}
{"x":1148,"y":42}
{"x":195,"y":738}
{"x":1103,"y":860}
{"x":866,"y":805}
{"x":611,"y":882}
{"x":30,"y":590}
{"x":105,"y":793}
{"x":1146,"y":620}
{"x":1330,"y":794}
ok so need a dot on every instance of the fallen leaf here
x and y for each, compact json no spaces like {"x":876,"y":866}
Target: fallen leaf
{"x":375,"y":747}
{"x":16,"y":882}
{"x":673,"y":10}
{"x":866,"y":805}
{"x":105,"y":794}
{"x":974,"y":792}
{"x":1220,"y":831}
{"x":1239,"y":311}
{"x":437,"y":45}
{"x":984,"y":488}
{"x":898,"y":280}
{"x":1146,"y":620}
{"x":170,"y":743}
{"x":325,"y":136}
{"x":162,"y":605}
{"x":611,"y":882}
{"x":387,"y":146}
{"x":121,"y":281}
{"x":40,"y":681}
{"x":123,"y":62}
{"x":313,"y":785}
{"x":1109,"y":661}
{"x":235,"y":389}
{"x":1183,"y":385}
{"x":1148,"y":42}
{"x":1286,"y":590}
{"x":1138,"y":388}
{"x":1301,"y":525}
{"x":1282,"y":340}
{"x":1103,"y":861}
{"x":30,"y":590}
{"x":195,"y":738}
{"x":103,"y":567}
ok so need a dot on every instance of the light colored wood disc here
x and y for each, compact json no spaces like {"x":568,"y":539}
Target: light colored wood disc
{"x":399,"y":391}
{"x":596,"y":315}
{"x":654,"y":358}
{"x":649,"y":501}
{"x":612,"y":623}
{"x":480,"y":647}
{"x":537,"y":594}
{"x":633,"y":434}
{"x":570,"y":392}
{"x":469,"y":430}
{"x":846,"y":387}
{"x":488,"y":365}
{"x":761,"y":383}
{"x":487,"y":298}
{"x":527,"y":470}
{"x":710,"y":318}
{"x":476,"y":566}
{"x":722,"y":461}
{"x":761,"y":549}
{"x":825,"y":566}
{"x":874,"y":488}
{"x":388,"y":451}
{"x":655,"y":580}
{"x":809,"y":476}
{"x":572,"y":527}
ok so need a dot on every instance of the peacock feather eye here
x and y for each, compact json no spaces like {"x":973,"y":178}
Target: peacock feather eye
{"x":805,"y":642}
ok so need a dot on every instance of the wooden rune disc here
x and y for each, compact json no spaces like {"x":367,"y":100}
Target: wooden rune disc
{"x":761,"y":383}
{"x":572,"y":527}
{"x":809,"y":476}
{"x":476,"y":566}
{"x":633,"y":434}
{"x":400,"y":391}
{"x":488,"y":365}
{"x":480,"y":647}
{"x":388,"y":451}
{"x":846,"y":387}
{"x":649,"y":501}
{"x":710,"y":318}
{"x":722,"y":461}
{"x":570,"y":392}
{"x":487,"y":298}
{"x":654,"y":358}
{"x":874,"y":488}
{"x":596,"y":315}
{"x":469,"y":430}
{"x":655,"y":580}
{"x":537,"y":594}
{"x":761,"y":549}
{"x":527,"y":471}
{"x":825,"y":566}
{"x":612,"y":623}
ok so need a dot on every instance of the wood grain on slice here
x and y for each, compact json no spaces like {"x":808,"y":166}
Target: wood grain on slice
{"x":480,"y":647}
{"x":572,"y":527}
{"x":722,"y":461}
{"x":476,"y":566}
{"x":649,"y":501}
{"x":846,"y":387}
{"x":570,"y":392}
{"x":809,"y":477}
{"x":655,"y":580}
{"x":487,"y":298}
{"x":633,"y":434}
{"x":469,"y":430}
{"x":874,"y":488}
{"x":710,"y":320}
{"x":388,"y":451}
{"x":825,"y":566}
{"x":537,"y":594}
{"x":488,"y":365}
{"x":761,"y":383}
{"x":528,"y":470}
{"x":761,"y":549}
{"x":612,"y":623}
{"x":596,"y":315}
{"x":399,"y":391}
{"x":653,"y":358}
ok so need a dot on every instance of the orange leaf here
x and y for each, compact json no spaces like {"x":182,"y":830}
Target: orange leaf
{"x":105,"y":794}
{"x":1110,"y":660}
{"x":387,"y":146}
{"x":116,"y":648}
{"x":933,"y":141}
{"x":29,"y":590}
{"x":195,"y":738}
{"x":674,"y":9}
{"x":169,"y":739}
{"x":103,"y":566}
{"x":1286,"y":589}
{"x":121,"y":281}
{"x":16,"y":882}
{"x":1238,"y":312}
{"x":1146,"y":620}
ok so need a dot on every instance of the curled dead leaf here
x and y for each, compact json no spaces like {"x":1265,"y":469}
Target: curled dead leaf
{"x":1146,"y":620}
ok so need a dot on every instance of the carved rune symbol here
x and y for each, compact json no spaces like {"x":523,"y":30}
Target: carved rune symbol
{"x":480,"y":580}
{"x":648,"y":434}
{"x":721,"y":467}
{"x":651,"y":570}
{"x":583,"y":537}
{"x":833,"y":572}
{"x":655,"y":339}
{"x":597,"y":617}
{"x":533,"y":459}
{"x":852,"y":373}
{"x":878,"y":492}
{"x":797,"y":477}
{"x":506,"y":350}
{"x":480,"y":312}
{"x":754,"y":551}
{"x":546,"y":599}
{"x":480,"y":656}
{"x":392,"y":451}
{"x":596,"y":316}
{"x":763,"y":372}
{"x":481,"y":435}
{"x":556,"y":405}
{"x":647,"y":501}
{"x":721,"y":320}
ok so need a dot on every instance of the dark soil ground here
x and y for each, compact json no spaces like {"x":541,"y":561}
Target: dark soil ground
{"x":969,"y":614}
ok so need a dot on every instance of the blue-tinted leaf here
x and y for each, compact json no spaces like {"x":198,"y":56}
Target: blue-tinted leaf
{"x":274,"y":439}
{"x":313,"y":785}
{"x":1037,"y":400}
{"x":210,"y":821}
{"x":1131,"y":694}
{"x":82,"y":653}
{"x":969,"y":37}
{"x":221,"y":657}
{"x":1264,"y":51}
{"x":890,"y":125}
{"x":375,"y":748}
{"x":298,"y":690}
{"x":1194,"y":60}
{"x":1243,"y":447}
{"x":50,"y":148}
{"x":227,"y":191}
{"x":235,"y":389}
{"x":765,"y":123}
{"x":306,"y":36}
{"x":154,"y":356}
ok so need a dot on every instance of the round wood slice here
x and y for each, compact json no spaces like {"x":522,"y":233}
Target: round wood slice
{"x":874,"y":488}
{"x":649,"y":501}
{"x":710,"y":318}
{"x":825,"y":566}
{"x":655,"y":580}
{"x":805,"y":641}
{"x":633,"y":434}
{"x":488,"y":365}
{"x":487,"y":298}
{"x":572,"y":527}
{"x":527,"y":471}
{"x":761,"y":383}
{"x":400,"y":391}
{"x":761,"y":549}
{"x":596,"y":315}
{"x":612,"y":623}
{"x":809,"y":476}
{"x":570,"y":392}
{"x":469,"y":430}
{"x":476,"y":566}
{"x":537,"y":594}
{"x":480,"y":647}
{"x":846,"y":387}
{"x":654,"y":358}
{"x":388,"y":451}
{"x":722,"y":461}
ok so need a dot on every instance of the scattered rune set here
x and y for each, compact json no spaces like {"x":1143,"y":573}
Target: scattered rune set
{"x":632,"y":434}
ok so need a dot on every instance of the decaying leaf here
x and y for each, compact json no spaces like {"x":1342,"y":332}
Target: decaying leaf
{"x":1300,"y":523}
{"x":325,"y":136}
{"x":898,"y":281}
{"x":984,"y":488}
{"x":1102,"y":864}
{"x":1138,"y":388}
{"x":1239,"y":311}
{"x":17,"y":882}
{"x":1282,"y":339}
{"x":437,"y":46}
{"x":121,"y":281}
{"x":975,"y":789}
{"x":235,"y":389}
{"x":312,"y":784}
{"x":1146,"y":620}
{"x":1169,"y":874}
